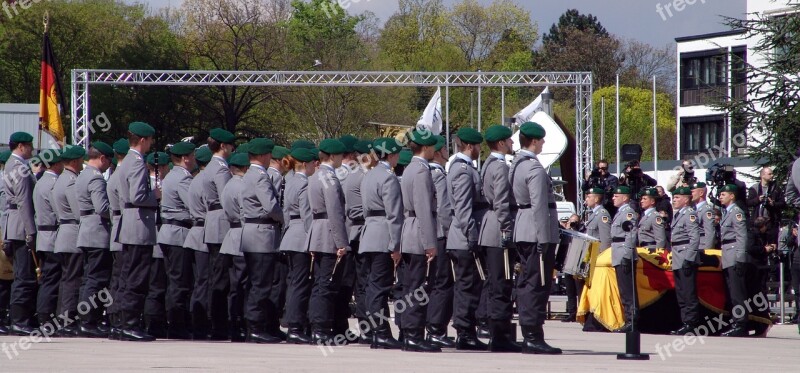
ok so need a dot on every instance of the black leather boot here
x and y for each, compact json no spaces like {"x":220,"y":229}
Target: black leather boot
{"x":437,"y":336}
{"x":415,"y":341}
{"x":4,"y":322}
{"x":534,"y":343}
{"x":131,"y":331}
{"x":384,"y":340}
{"x":258,"y":334}
{"x":736,"y":331}
{"x":686,"y":328}
{"x":467,"y":340}
{"x":501,"y":340}
{"x":297,"y":335}
{"x":156,"y":326}
{"x":483,"y":329}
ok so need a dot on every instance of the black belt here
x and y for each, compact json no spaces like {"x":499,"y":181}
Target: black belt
{"x":116,"y":213}
{"x":481,"y":206}
{"x":259,"y":221}
{"x":179,"y":223}
{"x":87,"y":212}
{"x":702,"y":234}
{"x":679,"y":243}
{"x":725,"y":242}
{"x":320,"y":215}
{"x":294,"y":217}
{"x":215,"y":207}
{"x":12,"y":206}
{"x":648,"y":243}
{"x":357,"y":221}
{"x":236,"y":225}
{"x":617,"y":240}
{"x":525,"y":207}
{"x":47,"y":228}
{"x":132,"y":206}
{"x":68,"y":221}
{"x":199,"y":222}
{"x":374,"y":213}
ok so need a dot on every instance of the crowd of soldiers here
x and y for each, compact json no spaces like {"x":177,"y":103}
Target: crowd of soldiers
{"x":224,"y":243}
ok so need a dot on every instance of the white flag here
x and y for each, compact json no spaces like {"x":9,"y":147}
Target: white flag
{"x":431,"y":118}
{"x":526,"y":114}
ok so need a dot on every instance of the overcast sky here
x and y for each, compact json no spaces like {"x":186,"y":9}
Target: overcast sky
{"x":637,"y":19}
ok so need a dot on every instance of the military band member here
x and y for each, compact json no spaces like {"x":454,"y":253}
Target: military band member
{"x":121,"y":148}
{"x":278,"y":166}
{"x":734,"y":239}
{"x":298,"y":210}
{"x":623,"y":253}
{"x":194,"y":242}
{"x":19,"y":231}
{"x":705,"y":216}
{"x":155,"y":308}
{"x":5,"y":284}
{"x":651,"y":231}
{"x":685,"y":258}
{"x":175,"y":224}
{"x":231,"y":248}
{"x":469,"y":206}
{"x":68,"y":211}
{"x":94,"y":234}
{"x":46,"y":227}
{"x":139,"y":202}
{"x":327,"y":238}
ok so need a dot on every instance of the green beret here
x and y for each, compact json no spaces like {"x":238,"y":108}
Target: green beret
{"x":469,"y":136}
{"x":71,"y":152}
{"x":221,"y":135}
{"x":315,"y":151}
{"x":349,"y":142}
{"x":649,"y":192}
{"x":239,"y":160}
{"x":729,"y":188}
{"x":698,"y":185}
{"x":332,"y":146}
{"x":498,"y":133}
{"x":532,"y":130}
{"x":203,"y":154}
{"x":303,"y":155}
{"x":280,"y":152}
{"x":682,"y":191}
{"x":386,"y":145}
{"x":363,"y":146}
{"x":305,"y":144}
{"x":104,"y":148}
{"x":20,"y":137}
{"x":599,"y":191}
{"x":424,"y":138}
{"x":405,"y":157}
{"x":622,"y":190}
{"x":440,"y":142}
{"x":163,"y":159}
{"x":241,"y":148}
{"x":50,"y":156}
{"x":4,"y":156}
{"x":141,"y":129}
{"x":171,"y":165}
{"x":114,"y":161}
{"x":260,"y":146}
{"x":121,"y":146}
{"x":182,"y":148}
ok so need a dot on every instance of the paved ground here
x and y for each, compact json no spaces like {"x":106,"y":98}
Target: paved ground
{"x":582,"y":352}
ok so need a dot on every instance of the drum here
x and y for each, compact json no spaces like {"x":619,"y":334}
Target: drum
{"x":580,"y":252}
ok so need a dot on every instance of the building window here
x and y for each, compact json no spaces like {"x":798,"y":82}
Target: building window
{"x":700,"y":135}
{"x":704,"y":78}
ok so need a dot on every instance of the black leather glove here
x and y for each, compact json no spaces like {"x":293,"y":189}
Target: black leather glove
{"x":472,"y":246}
{"x":8,"y":251}
{"x":30,"y":241}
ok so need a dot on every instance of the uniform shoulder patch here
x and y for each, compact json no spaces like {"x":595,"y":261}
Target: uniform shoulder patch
{"x":692,"y":218}
{"x":222,"y":164}
{"x":659,"y":220}
{"x":709,"y":215}
{"x":629,"y":216}
{"x":604,"y":219}
{"x":739,"y":217}
{"x":464,"y":166}
{"x":96,"y":172}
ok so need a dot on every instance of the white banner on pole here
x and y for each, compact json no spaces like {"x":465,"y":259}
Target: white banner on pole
{"x":431,"y":118}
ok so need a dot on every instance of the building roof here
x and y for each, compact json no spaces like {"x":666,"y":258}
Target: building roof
{"x":710,"y":35}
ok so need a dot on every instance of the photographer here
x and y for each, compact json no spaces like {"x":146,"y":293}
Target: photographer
{"x":719,"y":175}
{"x":765,"y":199}
{"x":599,"y":177}
{"x":635,"y":178}
{"x":684,"y":178}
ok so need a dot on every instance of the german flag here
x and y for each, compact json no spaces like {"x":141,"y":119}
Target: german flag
{"x":51,"y":99}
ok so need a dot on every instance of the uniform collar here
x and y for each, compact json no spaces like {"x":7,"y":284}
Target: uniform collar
{"x":300,"y":173}
{"x":527,"y":153}
{"x":385,"y":164}
{"x":731,"y":206}
{"x":498,"y":156}
{"x":648,"y":211}
{"x":220,"y":158}
{"x":327,"y":166}
{"x":700,"y":204}
{"x":624,"y":207}
{"x":423,"y":160}
{"x":258,"y":166}
{"x":464,"y":157}
{"x":23,"y":160}
{"x":435,"y":165}
{"x":274,"y":169}
{"x":51,"y":173}
{"x":135,"y":151}
{"x":597,"y":208}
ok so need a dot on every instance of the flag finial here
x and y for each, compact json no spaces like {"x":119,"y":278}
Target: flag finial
{"x":46,"y":20}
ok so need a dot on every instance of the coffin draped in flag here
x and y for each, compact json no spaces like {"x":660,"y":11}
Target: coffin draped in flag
{"x":51,"y":99}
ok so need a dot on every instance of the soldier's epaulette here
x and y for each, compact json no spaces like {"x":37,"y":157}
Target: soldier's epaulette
{"x":689,"y":210}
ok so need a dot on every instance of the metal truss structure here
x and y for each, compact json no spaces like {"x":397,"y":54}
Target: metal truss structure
{"x":82,"y":79}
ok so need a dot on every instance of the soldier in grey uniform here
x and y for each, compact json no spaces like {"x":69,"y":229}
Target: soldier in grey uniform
{"x":194,"y":242}
{"x":598,"y":224}
{"x":121,"y":148}
{"x":623,"y":253}
{"x":536,"y":233}
{"x":350,"y":167}
{"x":685,"y":258}
{"x":19,"y":231}
{"x":734,"y":238}
{"x":705,"y":216}
{"x":68,"y":211}
{"x":469,"y":206}
{"x":175,"y":224}
{"x":327,"y":238}
{"x":382,"y":205}
{"x":277,"y":168}
{"x":5,"y":285}
{"x":94,"y":234}
{"x":46,"y":227}
{"x":155,"y":307}
{"x":495,"y":236}
{"x":139,"y":203}
{"x":298,"y":210}
{"x":651,"y":231}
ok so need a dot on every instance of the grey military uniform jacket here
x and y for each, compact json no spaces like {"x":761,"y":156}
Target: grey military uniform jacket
{"x":468,"y":205}
{"x":298,"y":211}
{"x":197,"y":210}
{"x":537,"y":218}
{"x":18,"y":184}
{"x":353,"y":203}
{"x":112,"y":191}
{"x":651,"y":230}
{"x":138,"y":202}
{"x":260,"y":201}
{"x":734,"y":237}
{"x":419,"y":201}
{"x":444,"y":207}
{"x":216,"y":176}
{"x":623,"y":244}
{"x":68,"y":212}
{"x":174,"y":207}
{"x":496,"y":183}
{"x":328,"y":232}
{"x":95,"y":215}
{"x":382,"y":201}
{"x":46,"y":219}
{"x":708,"y":227}
{"x":685,"y":239}
{"x":598,"y":225}
{"x":231,"y":203}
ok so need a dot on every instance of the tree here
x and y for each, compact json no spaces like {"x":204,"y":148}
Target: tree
{"x":642,"y":61}
{"x":584,"y":51}
{"x":478,"y":30}
{"x":572,"y":19}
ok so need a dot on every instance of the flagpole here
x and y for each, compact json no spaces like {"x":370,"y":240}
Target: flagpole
{"x":447,"y":114}
{"x":619,"y":157}
{"x":503,"y":105}
{"x":655,"y":131}
{"x":46,"y":23}
{"x":602,"y":128}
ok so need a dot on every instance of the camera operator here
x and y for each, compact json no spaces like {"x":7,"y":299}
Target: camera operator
{"x":635,"y":178}
{"x":791,"y":250}
{"x":683,"y":178}
{"x":765,"y":199}
{"x":719,"y":175}
{"x":599,"y":177}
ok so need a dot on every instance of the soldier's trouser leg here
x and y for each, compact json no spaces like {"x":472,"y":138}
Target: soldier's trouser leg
{"x":466,"y":289}
{"x":178,"y":261}
{"x":342,"y":310}
{"x":115,"y":283}
{"x":737,"y":290}
{"x":135,"y":277}
{"x":379,"y":286}
{"x":298,"y":289}
{"x":96,"y":278}
{"x":155,"y":308}
{"x":795,"y":271}
{"x":259,"y":310}
{"x":499,"y":296}
{"x":362,"y":276}
{"x":413,"y":306}
{"x":532,"y":295}
{"x":47,"y":298}
{"x":70,"y":288}
{"x":199,"y":302}
{"x":23,"y":289}
{"x":323,"y":292}
{"x":686,"y":292}
{"x":219,"y":287}
{"x":625,"y":285}
{"x":239,"y":286}
{"x":482,"y":313}
{"x":278,"y":295}
{"x":570,"y":283}
{"x":5,"y":302}
{"x":440,"y":308}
